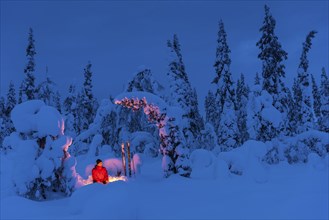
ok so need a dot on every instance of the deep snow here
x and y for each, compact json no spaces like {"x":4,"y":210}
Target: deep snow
{"x":297,"y":191}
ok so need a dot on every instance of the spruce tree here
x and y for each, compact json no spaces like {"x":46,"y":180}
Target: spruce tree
{"x":242,"y":93}
{"x":46,"y":92}
{"x":2,"y":107}
{"x":11,"y":102}
{"x":225,"y":95}
{"x":182,"y":93}
{"x":290,"y":121}
{"x":257,"y":80}
{"x":228,"y":130}
{"x":88,"y":102}
{"x":222,"y":65}
{"x":223,"y":60}
{"x":11,"y":99}
{"x":211,"y":109}
{"x":70,"y":111}
{"x":2,"y":120}
{"x":324,"y":94}
{"x":272,"y":56}
{"x":260,"y":125}
{"x":297,"y":109}
{"x":27,"y":88}
{"x":142,"y":82}
{"x":316,"y":98}
{"x":305,"y":102}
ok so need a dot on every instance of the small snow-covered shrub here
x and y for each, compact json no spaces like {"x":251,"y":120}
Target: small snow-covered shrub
{"x":308,"y":142}
{"x":272,"y":156}
{"x":297,"y":153}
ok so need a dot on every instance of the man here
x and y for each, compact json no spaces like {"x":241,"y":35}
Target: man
{"x":99,"y":173}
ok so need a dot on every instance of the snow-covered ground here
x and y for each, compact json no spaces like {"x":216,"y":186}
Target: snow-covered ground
{"x":297,"y":191}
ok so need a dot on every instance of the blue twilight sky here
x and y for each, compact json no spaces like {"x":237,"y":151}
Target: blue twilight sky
{"x":119,"y":36}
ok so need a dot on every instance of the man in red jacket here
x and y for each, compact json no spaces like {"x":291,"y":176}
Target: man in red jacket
{"x":99,"y":172}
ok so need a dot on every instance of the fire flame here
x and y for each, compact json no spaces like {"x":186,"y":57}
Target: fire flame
{"x":111,"y":179}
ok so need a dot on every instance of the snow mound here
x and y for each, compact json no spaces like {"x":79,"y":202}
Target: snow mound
{"x":35,"y":116}
{"x":317,"y":163}
{"x":203,"y":164}
{"x":247,"y":160}
{"x":112,"y":198}
{"x":24,"y":115}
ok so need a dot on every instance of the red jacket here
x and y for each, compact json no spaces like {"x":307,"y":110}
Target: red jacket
{"x":100,"y":174}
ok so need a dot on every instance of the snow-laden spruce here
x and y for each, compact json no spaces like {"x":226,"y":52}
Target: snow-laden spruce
{"x":263,"y":118}
{"x":38,"y":152}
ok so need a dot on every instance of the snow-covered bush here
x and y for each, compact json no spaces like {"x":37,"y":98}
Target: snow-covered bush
{"x":275,"y":152}
{"x":247,"y":160}
{"x":308,"y":142}
{"x":297,"y":149}
{"x":41,"y":162}
{"x":203,"y":164}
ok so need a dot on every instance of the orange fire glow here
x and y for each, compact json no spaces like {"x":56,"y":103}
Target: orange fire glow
{"x":110,"y":180}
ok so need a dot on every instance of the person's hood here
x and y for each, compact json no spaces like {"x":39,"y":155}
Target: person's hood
{"x":98,"y":167}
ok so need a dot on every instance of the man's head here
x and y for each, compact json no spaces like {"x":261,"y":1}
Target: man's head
{"x":99,"y":162}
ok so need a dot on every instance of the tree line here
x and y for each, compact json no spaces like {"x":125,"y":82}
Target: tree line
{"x":234,"y":112}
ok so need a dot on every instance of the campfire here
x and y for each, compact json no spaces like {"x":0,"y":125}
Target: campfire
{"x":111,"y":179}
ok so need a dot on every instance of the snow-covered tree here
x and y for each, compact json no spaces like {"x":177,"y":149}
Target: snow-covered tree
{"x":144,"y":81}
{"x":109,"y":129}
{"x":27,"y":88}
{"x":172,"y":144}
{"x":290,"y":121}
{"x":242,"y":93}
{"x":11,"y":99}
{"x":263,"y":119}
{"x":2,"y":120}
{"x":222,"y":66}
{"x":79,"y":119}
{"x":225,"y":95}
{"x":182,"y":94}
{"x":11,"y":103}
{"x":211,"y":109}
{"x":316,"y":98}
{"x":303,"y":92}
{"x":47,"y":92}
{"x":272,"y":56}
{"x":46,"y":167}
{"x":6,"y":125}
{"x":88,"y":104}
{"x":257,"y":80}
{"x":70,"y":111}
{"x":2,"y":107}
{"x":208,"y":137}
{"x":324,"y":93}
{"x":228,"y":129}
{"x":135,"y":121}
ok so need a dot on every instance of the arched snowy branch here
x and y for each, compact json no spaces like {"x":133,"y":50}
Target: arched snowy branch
{"x":175,"y":157}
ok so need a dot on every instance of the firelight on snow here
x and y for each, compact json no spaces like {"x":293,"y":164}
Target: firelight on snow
{"x":84,"y":182}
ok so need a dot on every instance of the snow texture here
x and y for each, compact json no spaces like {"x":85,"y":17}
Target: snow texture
{"x":34,"y":115}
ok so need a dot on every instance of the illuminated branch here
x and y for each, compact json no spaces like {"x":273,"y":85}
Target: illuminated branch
{"x":168,"y":132}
